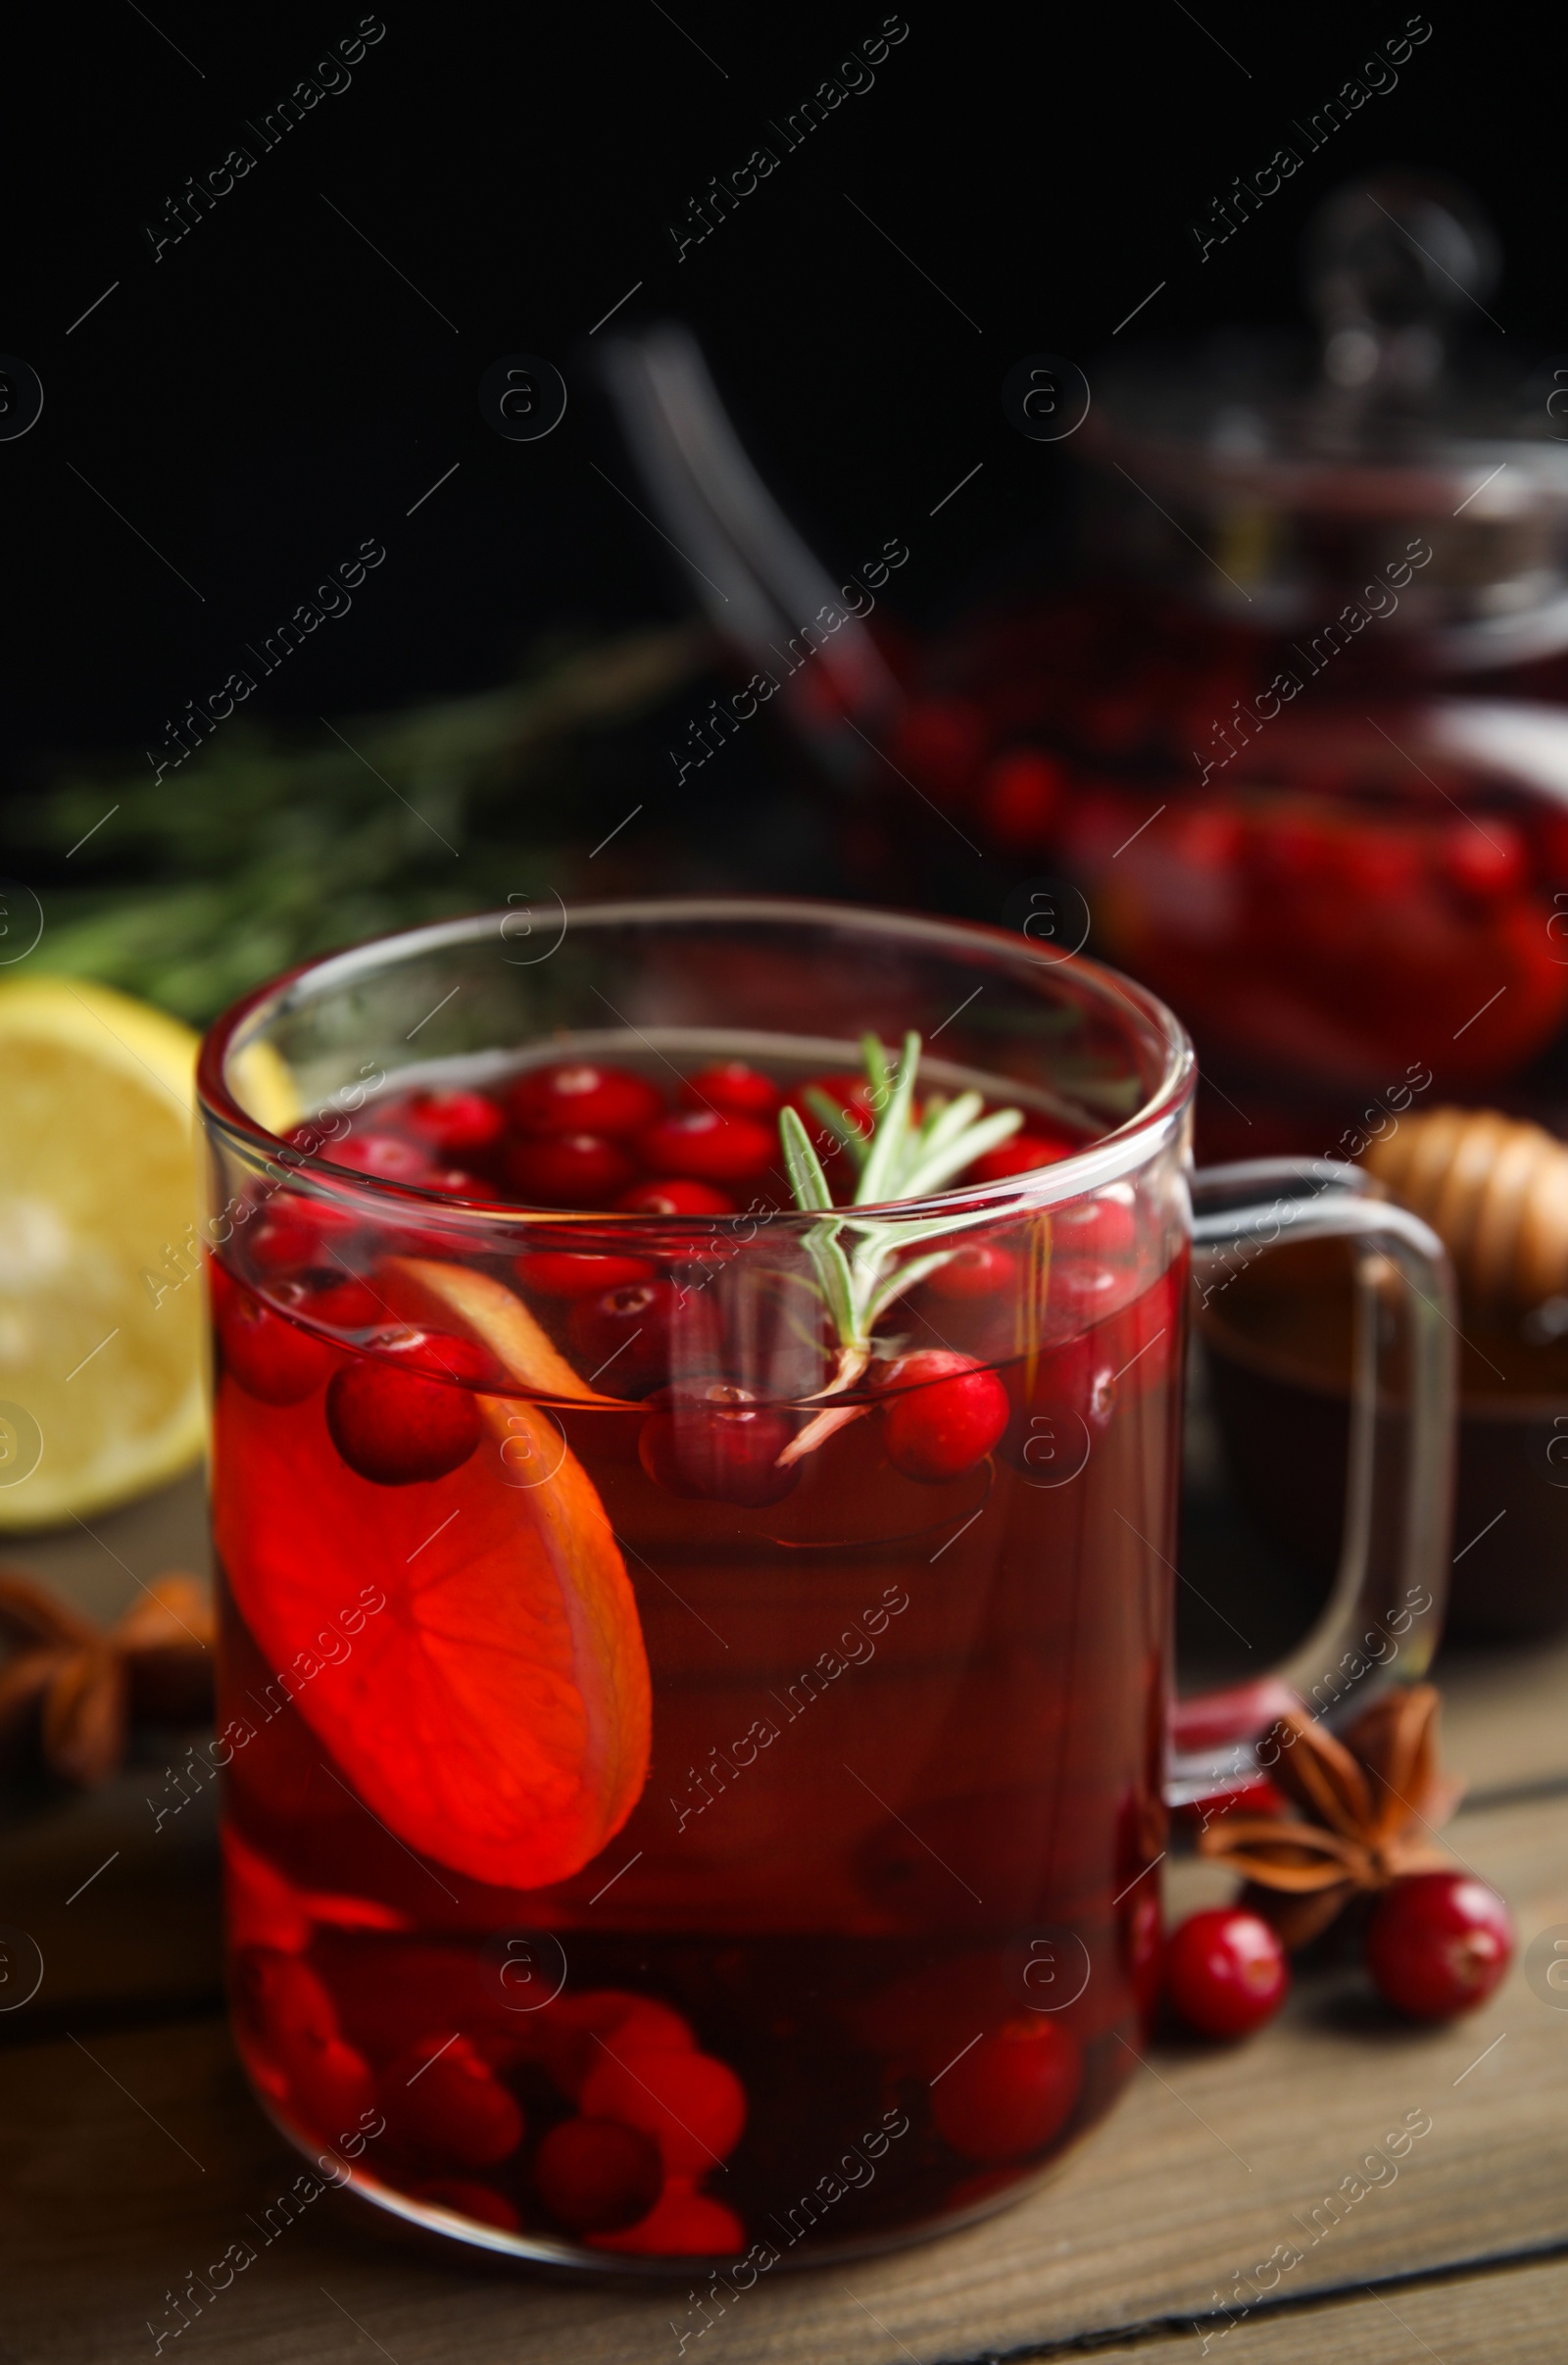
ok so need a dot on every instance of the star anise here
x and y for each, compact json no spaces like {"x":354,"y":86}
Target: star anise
{"x":70,"y":1688}
{"x":1369,"y":1804}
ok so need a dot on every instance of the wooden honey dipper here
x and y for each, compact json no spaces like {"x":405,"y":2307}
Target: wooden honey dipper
{"x":1495,"y":1191}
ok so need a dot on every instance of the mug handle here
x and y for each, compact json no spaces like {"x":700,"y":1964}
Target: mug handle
{"x":1384,"y":1616}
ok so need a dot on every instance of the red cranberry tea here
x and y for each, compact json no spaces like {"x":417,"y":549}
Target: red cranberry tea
{"x":694,"y":1664}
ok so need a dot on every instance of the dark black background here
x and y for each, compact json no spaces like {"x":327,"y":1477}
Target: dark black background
{"x":271,"y":392}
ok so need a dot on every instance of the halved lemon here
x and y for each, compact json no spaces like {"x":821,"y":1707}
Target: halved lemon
{"x":100,"y":1291}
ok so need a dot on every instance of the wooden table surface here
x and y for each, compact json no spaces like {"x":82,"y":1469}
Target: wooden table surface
{"x":133,"y":2154}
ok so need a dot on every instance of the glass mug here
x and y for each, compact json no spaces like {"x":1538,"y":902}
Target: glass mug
{"x":697,"y":1743}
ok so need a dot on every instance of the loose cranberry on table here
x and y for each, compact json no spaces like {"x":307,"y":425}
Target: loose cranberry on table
{"x":943,"y":1414}
{"x":442,"y":2101}
{"x":394,"y":1425}
{"x":1439,"y":1942}
{"x":708,"y":1145}
{"x":597,"y":2175}
{"x":979,"y":1270}
{"x":456,"y":1124}
{"x":733,"y":1087}
{"x":267,"y":1356}
{"x":578,"y":1272}
{"x":715,"y":1440}
{"x":579,"y":1096}
{"x":1225,"y":1972}
{"x":1009,"y":2094}
{"x":567,"y":1169}
{"x":677,"y":1194}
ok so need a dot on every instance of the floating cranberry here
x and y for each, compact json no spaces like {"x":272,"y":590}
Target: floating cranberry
{"x":581,"y":1097}
{"x":1439,"y":1942}
{"x":1009,"y":2094}
{"x":1021,"y":799}
{"x":482,"y":2202}
{"x":394,"y":1426}
{"x":733,"y":1087}
{"x":567,"y":1169}
{"x":384,"y":1155}
{"x":578,"y":1273}
{"x":597,"y":2175}
{"x":947,"y":1413}
{"x":268,"y":1355}
{"x":456,"y":1124}
{"x":708,"y":1145}
{"x":1020,"y":1155}
{"x":441,"y":2101}
{"x":623,"y":1335}
{"x":579,"y":2029}
{"x":693,"y":2106}
{"x":675,"y":1196}
{"x":1225,"y":1972}
{"x":979,"y":1270}
{"x":712,"y":1440}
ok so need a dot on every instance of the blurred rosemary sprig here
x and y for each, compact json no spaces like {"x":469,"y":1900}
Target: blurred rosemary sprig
{"x":271,"y":844}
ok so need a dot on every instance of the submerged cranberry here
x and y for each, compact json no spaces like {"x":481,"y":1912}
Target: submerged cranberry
{"x":384,"y":1155}
{"x":394,"y":1425}
{"x":581,"y":1095}
{"x":946,"y":1413}
{"x":293,"y":1233}
{"x":578,"y":1273}
{"x":580,"y":2029}
{"x":343,"y":1302}
{"x":456,"y":1124}
{"x":709,"y":1146}
{"x":468,"y":2200}
{"x":677,"y":1195}
{"x":624,"y":1335}
{"x":1009,"y":2094}
{"x":567,"y":1169}
{"x":1018,"y":1155}
{"x":733,"y":1087}
{"x":271,"y":1358}
{"x":712,"y":1440}
{"x":597,"y":2175}
{"x":693,"y":2106}
{"x":979,"y":1270}
{"x":442,"y":2103}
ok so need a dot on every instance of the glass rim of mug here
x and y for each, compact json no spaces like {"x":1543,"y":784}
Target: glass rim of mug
{"x":1120,"y":1150}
